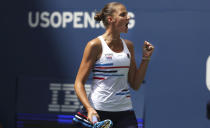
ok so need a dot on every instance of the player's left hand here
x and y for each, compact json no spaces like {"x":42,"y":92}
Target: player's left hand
{"x":147,"y":49}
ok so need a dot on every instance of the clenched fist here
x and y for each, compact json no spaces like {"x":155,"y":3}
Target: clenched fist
{"x":147,"y":49}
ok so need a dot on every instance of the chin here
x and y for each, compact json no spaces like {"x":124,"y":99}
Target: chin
{"x":126,"y":31}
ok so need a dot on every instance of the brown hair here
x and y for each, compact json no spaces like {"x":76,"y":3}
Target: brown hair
{"x":108,"y":10}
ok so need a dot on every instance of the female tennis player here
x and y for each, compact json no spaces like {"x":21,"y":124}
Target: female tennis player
{"x":112,"y":61}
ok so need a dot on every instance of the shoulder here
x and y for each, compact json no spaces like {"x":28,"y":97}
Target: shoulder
{"x":94,"y":44}
{"x":93,"y":49}
{"x":129,"y":44}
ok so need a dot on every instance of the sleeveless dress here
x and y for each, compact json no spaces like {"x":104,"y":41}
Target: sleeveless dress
{"x":110,"y":89}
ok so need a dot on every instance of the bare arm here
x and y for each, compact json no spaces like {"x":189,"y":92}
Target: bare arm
{"x":136,"y":75}
{"x":90,"y":55}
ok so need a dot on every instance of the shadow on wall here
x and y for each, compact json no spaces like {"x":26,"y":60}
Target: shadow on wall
{"x":208,"y":110}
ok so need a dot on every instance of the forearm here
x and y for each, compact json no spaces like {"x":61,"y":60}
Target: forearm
{"x":140,"y":74}
{"x":81,"y":93}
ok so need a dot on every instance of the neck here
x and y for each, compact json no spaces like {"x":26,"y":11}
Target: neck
{"x":111,"y":35}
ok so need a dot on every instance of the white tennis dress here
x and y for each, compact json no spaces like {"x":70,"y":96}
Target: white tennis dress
{"x":110,"y":89}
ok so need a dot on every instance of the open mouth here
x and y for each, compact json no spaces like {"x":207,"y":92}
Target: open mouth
{"x":126,"y":25}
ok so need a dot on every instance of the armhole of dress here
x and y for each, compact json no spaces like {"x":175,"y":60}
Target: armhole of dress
{"x":125,"y":46}
{"x":102,"y":47}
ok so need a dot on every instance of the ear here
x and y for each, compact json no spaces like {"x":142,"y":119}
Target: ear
{"x":110,"y":19}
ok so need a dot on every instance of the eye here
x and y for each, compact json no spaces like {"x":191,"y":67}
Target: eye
{"x":123,"y":14}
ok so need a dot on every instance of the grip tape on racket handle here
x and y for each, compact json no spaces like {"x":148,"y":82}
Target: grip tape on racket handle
{"x":94,"y":119}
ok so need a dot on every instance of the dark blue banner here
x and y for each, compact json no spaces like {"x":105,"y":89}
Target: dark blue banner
{"x":43,"y":44}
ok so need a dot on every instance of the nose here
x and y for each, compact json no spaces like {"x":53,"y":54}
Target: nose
{"x":128,"y":17}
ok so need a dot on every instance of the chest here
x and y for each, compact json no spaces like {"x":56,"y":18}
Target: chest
{"x":117,"y":59}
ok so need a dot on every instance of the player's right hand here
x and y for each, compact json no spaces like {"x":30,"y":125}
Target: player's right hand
{"x":92,"y":112}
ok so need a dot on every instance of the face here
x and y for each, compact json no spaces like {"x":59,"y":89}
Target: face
{"x":121,"y":19}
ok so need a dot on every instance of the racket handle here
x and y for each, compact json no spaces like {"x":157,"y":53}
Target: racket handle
{"x":94,"y":119}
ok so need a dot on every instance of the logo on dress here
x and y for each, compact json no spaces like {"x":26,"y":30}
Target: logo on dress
{"x":109,"y":56}
{"x":128,"y":55}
